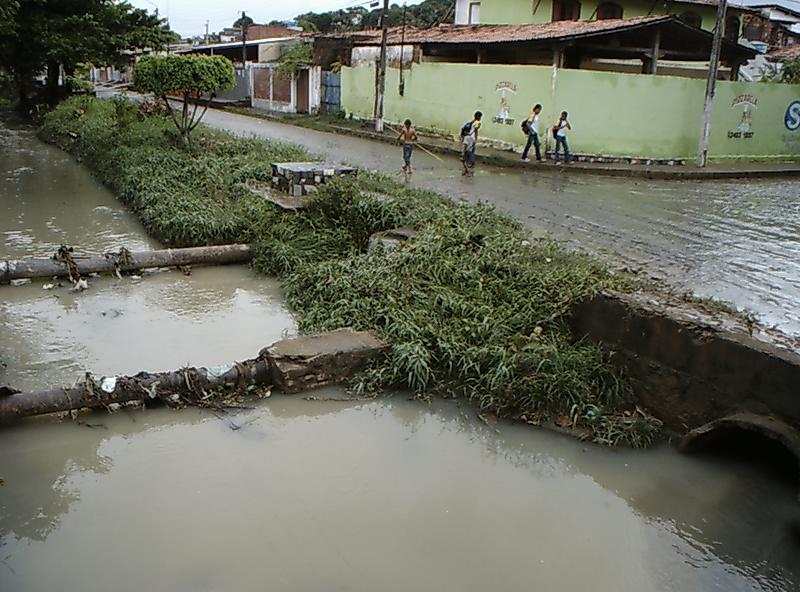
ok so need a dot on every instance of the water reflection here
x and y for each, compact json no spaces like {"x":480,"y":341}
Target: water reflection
{"x":162,"y":322}
{"x":395,"y":483}
{"x":47,"y":200}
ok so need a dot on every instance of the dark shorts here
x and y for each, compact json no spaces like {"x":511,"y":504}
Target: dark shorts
{"x":468,"y":155}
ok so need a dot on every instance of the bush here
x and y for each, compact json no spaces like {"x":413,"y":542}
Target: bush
{"x":189,"y":77}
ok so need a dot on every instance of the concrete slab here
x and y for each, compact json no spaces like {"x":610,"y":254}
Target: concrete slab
{"x":312,"y":361}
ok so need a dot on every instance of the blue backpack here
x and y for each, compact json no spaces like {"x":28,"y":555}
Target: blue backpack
{"x":466,"y":129}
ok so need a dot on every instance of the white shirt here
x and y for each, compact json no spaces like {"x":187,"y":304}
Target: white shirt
{"x":562,"y":128}
{"x":534,"y":124}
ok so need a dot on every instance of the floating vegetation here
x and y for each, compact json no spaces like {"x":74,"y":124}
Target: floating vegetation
{"x":472,"y":306}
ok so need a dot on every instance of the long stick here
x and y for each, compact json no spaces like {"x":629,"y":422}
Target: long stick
{"x":421,"y":147}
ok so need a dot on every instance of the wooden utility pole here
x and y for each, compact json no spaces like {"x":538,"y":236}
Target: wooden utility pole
{"x":380,"y":75}
{"x":244,"y":39}
{"x":402,"y":86}
{"x":711,"y":84}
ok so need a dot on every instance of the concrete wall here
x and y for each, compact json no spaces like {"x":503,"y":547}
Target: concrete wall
{"x":612,"y":113}
{"x":686,"y":366}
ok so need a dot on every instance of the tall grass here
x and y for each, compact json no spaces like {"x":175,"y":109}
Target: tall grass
{"x":471,"y":306}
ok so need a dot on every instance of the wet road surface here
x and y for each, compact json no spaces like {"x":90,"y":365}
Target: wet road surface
{"x":737,"y":241}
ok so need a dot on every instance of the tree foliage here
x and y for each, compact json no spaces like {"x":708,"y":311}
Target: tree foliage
{"x":294,"y":58}
{"x":191,"y":77}
{"x":50,"y":34}
{"x":787,"y":72}
{"x":246,"y":20}
{"x":424,"y":15}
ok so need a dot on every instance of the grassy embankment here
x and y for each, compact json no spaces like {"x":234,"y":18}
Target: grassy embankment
{"x":472,"y":307}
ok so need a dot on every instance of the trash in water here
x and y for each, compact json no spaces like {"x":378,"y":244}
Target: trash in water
{"x":108,"y":383}
{"x":136,"y":278}
{"x":48,"y":286}
{"x":80,"y":286}
{"x":21,"y":282}
{"x":217,"y":371}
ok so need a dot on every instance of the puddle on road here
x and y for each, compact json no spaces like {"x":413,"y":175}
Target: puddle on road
{"x":387,"y":495}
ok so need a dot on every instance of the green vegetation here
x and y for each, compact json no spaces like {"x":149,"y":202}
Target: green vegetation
{"x":787,"y":71}
{"x":472,"y":307}
{"x":190,"y":77}
{"x":294,"y":58}
{"x":429,"y":13}
{"x":37,"y":35}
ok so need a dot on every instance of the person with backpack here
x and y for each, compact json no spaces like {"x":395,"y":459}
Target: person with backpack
{"x":560,"y":134}
{"x":408,"y":136}
{"x":530,"y":127}
{"x":469,"y":141}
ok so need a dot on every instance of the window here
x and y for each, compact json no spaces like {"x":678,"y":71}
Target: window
{"x":732,"y":29}
{"x":691,"y":18}
{"x":566,"y":10}
{"x":609,"y":10}
{"x":474,"y":13}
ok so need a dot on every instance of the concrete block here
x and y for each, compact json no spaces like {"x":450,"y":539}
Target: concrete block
{"x":312,"y":361}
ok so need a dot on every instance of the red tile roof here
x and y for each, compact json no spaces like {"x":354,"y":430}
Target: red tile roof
{"x":504,"y":33}
{"x":785,"y":53}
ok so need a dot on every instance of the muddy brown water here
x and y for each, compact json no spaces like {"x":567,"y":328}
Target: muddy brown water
{"x":298,"y":494}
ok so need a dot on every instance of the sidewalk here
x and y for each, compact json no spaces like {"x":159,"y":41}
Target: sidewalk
{"x":506,"y":158}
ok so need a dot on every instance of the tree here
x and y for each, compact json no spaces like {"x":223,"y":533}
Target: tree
{"x":424,"y":15}
{"x":55,"y":34}
{"x":191,"y":77}
{"x":787,"y":71}
{"x":246,"y":20}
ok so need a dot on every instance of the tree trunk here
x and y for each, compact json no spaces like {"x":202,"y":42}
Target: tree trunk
{"x":125,"y":262}
{"x":193,"y":384}
{"x":292,"y":365}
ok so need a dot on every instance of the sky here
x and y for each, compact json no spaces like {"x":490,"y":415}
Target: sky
{"x":188,"y":17}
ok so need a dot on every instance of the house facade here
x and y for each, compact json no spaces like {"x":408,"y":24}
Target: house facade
{"x":698,"y":13}
{"x":631,"y":75}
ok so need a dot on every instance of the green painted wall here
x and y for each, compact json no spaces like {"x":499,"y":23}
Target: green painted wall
{"x":768,"y":134}
{"x":611,"y":113}
{"x":513,"y":12}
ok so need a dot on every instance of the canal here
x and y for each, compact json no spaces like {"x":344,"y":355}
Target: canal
{"x":299,"y":493}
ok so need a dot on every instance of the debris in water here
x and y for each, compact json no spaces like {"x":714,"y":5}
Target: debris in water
{"x":108,"y":383}
{"x":21,"y":282}
{"x":80,"y":286}
{"x":136,"y":278}
{"x":48,"y":286}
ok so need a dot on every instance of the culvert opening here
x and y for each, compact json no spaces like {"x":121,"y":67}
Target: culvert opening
{"x":765,"y":453}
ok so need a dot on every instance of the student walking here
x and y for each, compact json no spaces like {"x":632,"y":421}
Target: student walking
{"x":533,"y":134}
{"x":560,"y":134}
{"x":408,"y":137}
{"x":469,"y":141}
